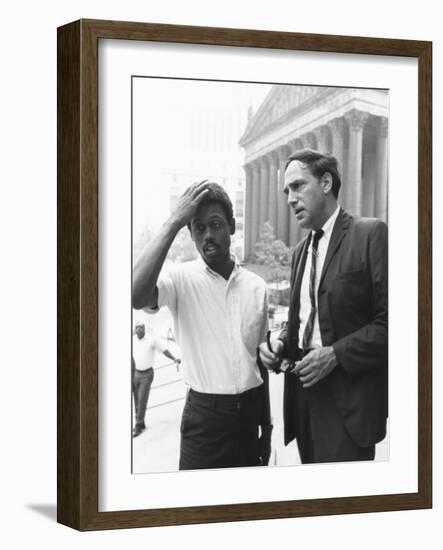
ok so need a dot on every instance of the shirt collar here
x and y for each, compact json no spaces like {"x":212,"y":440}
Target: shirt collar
{"x":329,"y":224}
{"x":204,"y":266}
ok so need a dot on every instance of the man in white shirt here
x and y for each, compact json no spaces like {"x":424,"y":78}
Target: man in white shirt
{"x":144,"y":348}
{"x":335,"y":345}
{"x":220,"y":317}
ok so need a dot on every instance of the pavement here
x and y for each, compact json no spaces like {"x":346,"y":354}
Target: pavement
{"x":157,"y":448}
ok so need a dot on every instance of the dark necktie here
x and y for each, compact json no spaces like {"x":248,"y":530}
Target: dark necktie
{"x":309,"y":328}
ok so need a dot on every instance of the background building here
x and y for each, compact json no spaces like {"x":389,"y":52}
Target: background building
{"x":350,"y":123}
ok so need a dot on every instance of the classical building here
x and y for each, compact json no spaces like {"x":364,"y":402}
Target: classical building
{"x":350,"y":123}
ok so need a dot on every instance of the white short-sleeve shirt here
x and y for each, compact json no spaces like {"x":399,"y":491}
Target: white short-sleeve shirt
{"x":218,"y":324}
{"x":144,"y":350}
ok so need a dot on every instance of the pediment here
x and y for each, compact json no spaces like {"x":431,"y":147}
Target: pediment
{"x":282,"y":100}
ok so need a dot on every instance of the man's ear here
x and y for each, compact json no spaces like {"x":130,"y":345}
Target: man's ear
{"x":232,"y":226}
{"x":326,"y":182}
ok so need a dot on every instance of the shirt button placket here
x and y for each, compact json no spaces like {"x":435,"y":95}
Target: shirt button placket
{"x":230,"y":303}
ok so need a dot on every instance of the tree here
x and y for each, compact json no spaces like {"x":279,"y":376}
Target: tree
{"x":273,"y":253}
{"x":182,"y":249}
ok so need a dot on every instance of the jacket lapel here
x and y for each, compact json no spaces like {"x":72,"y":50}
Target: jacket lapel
{"x":301,"y":262}
{"x":294,"y":301}
{"x":339,"y":231}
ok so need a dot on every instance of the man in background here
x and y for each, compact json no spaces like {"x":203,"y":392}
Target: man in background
{"x":144,"y":349}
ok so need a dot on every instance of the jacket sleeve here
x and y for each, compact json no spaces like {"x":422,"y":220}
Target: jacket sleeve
{"x":367,"y":348}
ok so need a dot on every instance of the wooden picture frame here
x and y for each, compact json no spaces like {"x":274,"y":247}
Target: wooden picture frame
{"x":77,"y":431}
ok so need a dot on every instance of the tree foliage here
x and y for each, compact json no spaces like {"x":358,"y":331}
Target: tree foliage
{"x":273,"y":253}
{"x":182,"y":249}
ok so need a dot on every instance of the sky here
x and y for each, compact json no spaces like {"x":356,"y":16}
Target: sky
{"x":185,"y":126}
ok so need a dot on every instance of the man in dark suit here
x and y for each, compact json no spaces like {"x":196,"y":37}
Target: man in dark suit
{"x":334,"y":350}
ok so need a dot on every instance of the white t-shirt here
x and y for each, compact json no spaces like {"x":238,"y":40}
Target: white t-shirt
{"x":218,"y":324}
{"x":144,"y":349}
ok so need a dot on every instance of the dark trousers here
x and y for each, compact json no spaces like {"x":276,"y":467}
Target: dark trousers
{"x":221,"y":431}
{"x":141,"y":384}
{"x":321,"y":431}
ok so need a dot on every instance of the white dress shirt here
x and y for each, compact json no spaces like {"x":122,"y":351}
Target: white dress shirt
{"x":218,"y":324}
{"x":144,"y":350}
{"x":305,"y":301}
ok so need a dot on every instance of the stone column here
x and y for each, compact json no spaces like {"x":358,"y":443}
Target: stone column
{"x":309,"y":140}
{"x":247,"y":224}
{"x":255,"y":189}
{"x":356,"y":120}
{"x":338,"y":127}
{"x":381,"y":196}
{"x":369,"y":183}
{"x":273,"y":190}
{"x":282,"y":199}
{"x":294,"y":229}
{"x":321,"y":133}
{"x":264,"y":194}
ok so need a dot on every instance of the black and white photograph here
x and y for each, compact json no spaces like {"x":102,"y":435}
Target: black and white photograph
{"x":145,"y":141}
{"x":259,"y":274}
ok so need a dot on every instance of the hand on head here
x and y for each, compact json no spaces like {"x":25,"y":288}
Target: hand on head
{"x":188,"y":202}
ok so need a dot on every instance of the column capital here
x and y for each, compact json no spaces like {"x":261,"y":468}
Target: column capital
{"x":323,"y":135}
{"x":254,"y":165}
{"x":248,"y":168}
{"x":283,"y":152}
{"x":294,"y":145}
{"x":263,"y":161}
{"x":321,"y":132}
{"x":383,"y":126}
{"x":273,"y":157}
{"x":356,"y":119}
{"x":337,"y":125}
{"x":309,"y":140}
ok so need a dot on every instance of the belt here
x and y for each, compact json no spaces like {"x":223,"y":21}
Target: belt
{"x":223,"y":400}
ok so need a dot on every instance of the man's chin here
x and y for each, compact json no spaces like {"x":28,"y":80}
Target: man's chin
{"x":211,"y":258}
{"x":304,"y":222}
{"x":215,"y":258}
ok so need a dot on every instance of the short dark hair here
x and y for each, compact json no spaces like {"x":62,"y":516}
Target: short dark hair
{"x":217,"y":194}
{"x":318,"y":164}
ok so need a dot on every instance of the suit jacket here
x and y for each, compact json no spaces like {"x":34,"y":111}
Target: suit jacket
{"x":353,"y":319}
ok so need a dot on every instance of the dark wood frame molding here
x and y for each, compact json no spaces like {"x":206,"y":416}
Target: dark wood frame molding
{"x":77,"y":429}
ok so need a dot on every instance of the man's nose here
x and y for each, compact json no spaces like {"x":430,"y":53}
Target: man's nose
{"x":207,"y":235}
{"x":292,"y":197}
